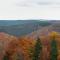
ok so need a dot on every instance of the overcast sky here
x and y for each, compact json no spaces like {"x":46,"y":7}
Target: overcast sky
{"x":29,"y":9}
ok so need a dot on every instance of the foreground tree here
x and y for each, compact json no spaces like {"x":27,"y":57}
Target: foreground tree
{"x":53,"y":55}
{"x":37,"y":50}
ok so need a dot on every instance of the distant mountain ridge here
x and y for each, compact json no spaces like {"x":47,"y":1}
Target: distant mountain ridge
{"x":21,"y":27}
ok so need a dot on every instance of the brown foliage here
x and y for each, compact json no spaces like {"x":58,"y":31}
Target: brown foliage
{"x":13,"y":45}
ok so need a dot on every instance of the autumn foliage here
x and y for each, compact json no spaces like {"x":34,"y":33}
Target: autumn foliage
{"x":31,"y":48}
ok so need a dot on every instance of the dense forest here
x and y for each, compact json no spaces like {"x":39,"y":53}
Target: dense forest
{"x":27,"y":48}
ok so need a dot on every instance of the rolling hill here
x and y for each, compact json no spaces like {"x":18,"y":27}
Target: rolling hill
{"x":21,"y":27}
{"x":44,"y":31}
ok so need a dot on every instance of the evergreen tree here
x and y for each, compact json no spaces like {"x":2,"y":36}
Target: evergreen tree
{"x":37,"y":50}
{"x":53,"y":55}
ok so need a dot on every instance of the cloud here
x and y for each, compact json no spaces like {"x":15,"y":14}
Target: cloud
{"x":36,"y":3}
{"x":44,"y":3}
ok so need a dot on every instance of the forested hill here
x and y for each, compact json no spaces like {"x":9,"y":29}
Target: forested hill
{"x":21,"y":27}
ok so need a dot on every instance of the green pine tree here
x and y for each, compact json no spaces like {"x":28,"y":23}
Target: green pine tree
{"x":37,"y":50}
{"x":53,"y":55}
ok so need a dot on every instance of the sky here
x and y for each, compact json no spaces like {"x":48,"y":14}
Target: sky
{"x":30,"y":9}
